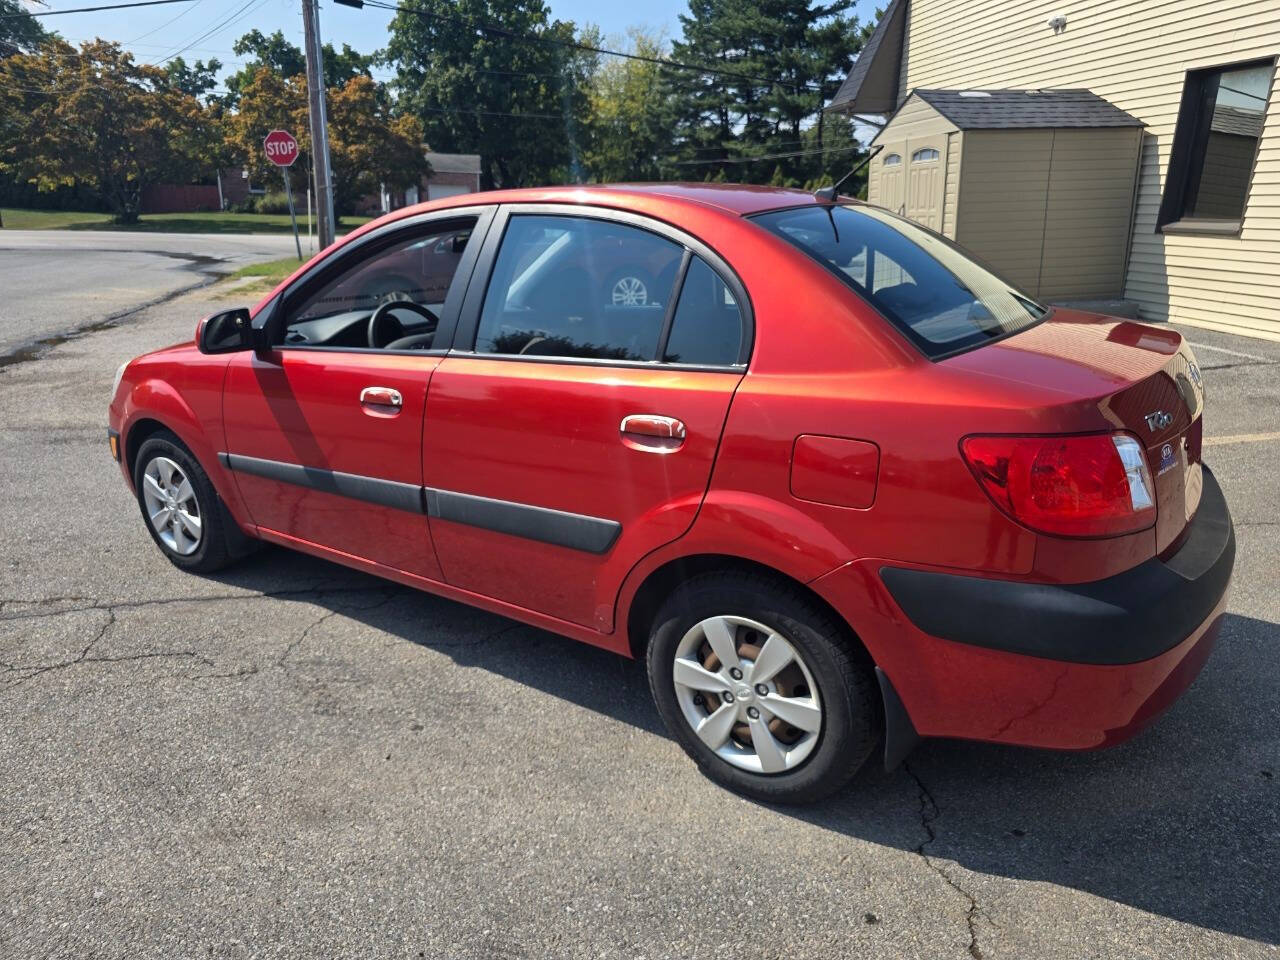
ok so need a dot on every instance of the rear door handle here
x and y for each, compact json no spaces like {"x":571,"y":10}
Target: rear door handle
{"x":381,"y":401}
{"x":652,"y":433}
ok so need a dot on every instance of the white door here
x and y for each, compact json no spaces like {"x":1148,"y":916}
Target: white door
{"x":923,"y":202}
{"x":891,"y":163}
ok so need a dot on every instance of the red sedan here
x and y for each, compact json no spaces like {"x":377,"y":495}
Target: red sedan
{"x":837,"y":483}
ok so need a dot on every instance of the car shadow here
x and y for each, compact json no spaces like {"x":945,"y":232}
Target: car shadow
{"x":1181,"y":821}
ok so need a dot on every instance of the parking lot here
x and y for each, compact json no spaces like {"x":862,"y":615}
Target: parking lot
{"x":294,"y":759}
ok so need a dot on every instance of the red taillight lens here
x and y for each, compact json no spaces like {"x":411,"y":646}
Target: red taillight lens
{"x":1097,"y":485}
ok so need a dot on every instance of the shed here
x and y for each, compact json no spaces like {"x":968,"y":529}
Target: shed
{"x":1038,"y":183}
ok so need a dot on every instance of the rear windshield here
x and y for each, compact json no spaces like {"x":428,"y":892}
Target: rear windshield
{"x":937,"y":296}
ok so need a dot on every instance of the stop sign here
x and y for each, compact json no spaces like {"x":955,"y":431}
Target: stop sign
{"x":281,"y":148}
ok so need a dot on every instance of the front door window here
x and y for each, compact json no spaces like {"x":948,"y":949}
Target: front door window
{"x":409,"y":280}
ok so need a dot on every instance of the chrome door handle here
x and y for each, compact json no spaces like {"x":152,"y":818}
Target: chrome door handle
{"x":384,"y":398}
{"x":652,"y":433}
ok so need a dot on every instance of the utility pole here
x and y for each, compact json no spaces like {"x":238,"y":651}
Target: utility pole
{"x":325,"y":222}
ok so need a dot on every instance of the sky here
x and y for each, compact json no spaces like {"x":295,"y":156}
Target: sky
{"x":208,"y":28}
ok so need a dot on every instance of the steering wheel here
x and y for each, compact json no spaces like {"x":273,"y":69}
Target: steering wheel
{"x":384,"y":327}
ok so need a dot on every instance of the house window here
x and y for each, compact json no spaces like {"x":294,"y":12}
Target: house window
{"x":925,"y":155}
{"x":892,"y":160}
{"x":1215,"y":145}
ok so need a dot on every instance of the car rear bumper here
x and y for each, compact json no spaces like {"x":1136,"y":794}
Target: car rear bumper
{"x":1128,"y":618}
{"x":1068,"y":666}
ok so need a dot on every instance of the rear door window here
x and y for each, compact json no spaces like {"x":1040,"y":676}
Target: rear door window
{"x":940,"y":298}
{"x":577,"y":287}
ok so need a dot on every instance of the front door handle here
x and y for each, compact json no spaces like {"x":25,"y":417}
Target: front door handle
{"x":381,"y":401}
{"x":652,"y":433}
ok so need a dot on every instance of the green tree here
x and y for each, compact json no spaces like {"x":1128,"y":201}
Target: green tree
{"x":520,"y":104}
{"x":95,"y":116}
{"x":629,"y":123}
{"x":286,"y":59}
{"x":19,"y":31}
{"x":780,"y":61}
{"x":197,"y":79}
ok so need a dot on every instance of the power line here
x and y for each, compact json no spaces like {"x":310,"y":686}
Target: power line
{"x":240,"y":13}
{"x":588,"y":48}
{"x":113,"y":6}
{"x":162,"y":26}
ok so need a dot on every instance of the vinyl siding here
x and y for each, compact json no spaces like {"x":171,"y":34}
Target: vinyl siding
{"x":1088,"y":213}
{"x":951,"y":194}
{"x":1136,"y":55}
{"x":1002,"y":194}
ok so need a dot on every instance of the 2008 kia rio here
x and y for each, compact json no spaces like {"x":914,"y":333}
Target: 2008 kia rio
{"x":836,"y":482}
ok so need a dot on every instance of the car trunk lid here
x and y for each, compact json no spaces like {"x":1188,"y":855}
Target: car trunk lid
{"x":1139,"y":378}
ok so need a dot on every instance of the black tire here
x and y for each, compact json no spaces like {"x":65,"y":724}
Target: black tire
{"x":852,"y":717}
{"x":222,"y":542}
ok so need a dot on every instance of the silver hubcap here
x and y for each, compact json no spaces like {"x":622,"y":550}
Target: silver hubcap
{"x":630,"y":292}
{"x":747,"y":694}
{"x":171,"y":505}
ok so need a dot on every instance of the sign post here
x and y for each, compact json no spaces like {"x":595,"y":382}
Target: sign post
{"x":282,"y":149}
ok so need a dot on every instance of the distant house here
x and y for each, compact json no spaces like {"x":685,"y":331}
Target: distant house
{"x":226,"y":188}
{"x":451,"y":174}
{"x":1127,"y":150}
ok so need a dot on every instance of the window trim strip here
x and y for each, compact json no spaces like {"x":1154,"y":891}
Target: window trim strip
{"x":677,"y":290}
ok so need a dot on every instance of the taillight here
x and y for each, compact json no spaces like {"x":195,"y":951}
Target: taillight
{"x":1095,"y":485}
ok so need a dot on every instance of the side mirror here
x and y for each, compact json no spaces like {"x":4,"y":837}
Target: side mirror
{"x":224,"y":332}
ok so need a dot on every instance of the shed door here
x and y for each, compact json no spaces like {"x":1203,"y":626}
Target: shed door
{"x":892,"y":161}
{"x":924,"y":158}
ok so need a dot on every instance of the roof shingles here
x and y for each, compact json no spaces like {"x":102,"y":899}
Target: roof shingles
{"x":1025,"y":109}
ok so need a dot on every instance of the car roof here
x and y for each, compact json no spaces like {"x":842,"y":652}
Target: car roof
{"x":736,"y":198}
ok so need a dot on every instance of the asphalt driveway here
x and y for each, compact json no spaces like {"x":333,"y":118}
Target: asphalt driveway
{"x":295,"y":760}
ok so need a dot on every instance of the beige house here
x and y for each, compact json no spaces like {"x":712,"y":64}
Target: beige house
{"x":1091,"y":150}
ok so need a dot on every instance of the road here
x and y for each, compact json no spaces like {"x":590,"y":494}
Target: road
{"x":58,"y":282}
{"x":291,"y":759}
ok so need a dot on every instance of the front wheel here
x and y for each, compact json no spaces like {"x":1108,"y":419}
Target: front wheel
{"x":181,"y":509}
{"x":762,"y":687}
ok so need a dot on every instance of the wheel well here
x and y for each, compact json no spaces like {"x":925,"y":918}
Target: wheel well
{"x":659,"y":583}
{"x":138,"y":435}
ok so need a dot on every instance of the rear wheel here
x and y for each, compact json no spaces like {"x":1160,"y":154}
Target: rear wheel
{"x":183,"y":513}
{"x":763,"y":687}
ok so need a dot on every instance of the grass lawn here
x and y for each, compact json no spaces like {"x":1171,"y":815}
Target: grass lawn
{"x":51,"y":219}
{"x":164,"y":222}
{"x":258,"y":278}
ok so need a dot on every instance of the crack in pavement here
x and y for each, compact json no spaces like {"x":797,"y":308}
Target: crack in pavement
{"x":389,"y":593}
{"x":38,"y":670}
{"x":929,"y":812}
{"x":164,"y":601}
